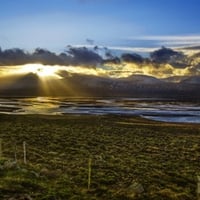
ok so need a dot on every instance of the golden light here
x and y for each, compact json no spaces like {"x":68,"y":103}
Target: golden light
{"x":47,"y":72}
{"x":43,"y":71}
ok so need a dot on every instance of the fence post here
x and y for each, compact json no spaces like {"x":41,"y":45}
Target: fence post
{"x":89,"y":172}
{"x":1,"y":152}
{"x":15,"y":152}
{"x":24,"y":149}
{"x":198,"y":187}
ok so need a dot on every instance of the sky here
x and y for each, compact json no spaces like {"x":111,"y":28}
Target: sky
{"x":57,"y":39}
{"x":118,"y":24}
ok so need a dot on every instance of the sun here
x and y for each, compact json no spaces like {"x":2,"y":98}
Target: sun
{"x":42,"y":71}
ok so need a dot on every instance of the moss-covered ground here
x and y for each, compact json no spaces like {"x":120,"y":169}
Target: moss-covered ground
{"x":132,"y":158}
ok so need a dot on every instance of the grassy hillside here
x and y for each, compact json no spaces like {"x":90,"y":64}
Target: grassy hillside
{"x":131,"y":158}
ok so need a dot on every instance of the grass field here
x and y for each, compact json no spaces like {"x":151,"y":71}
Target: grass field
{"x":131,"y":158}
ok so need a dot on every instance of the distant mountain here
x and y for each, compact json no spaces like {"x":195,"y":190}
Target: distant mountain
{"x":142,"y":79}
{"x":175,"y":79}
{"x":31,"y":80}
{"x":191,"y":80}
{"x":93,"y":86}
{"x":27,"y":85}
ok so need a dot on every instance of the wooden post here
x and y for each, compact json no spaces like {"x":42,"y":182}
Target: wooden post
{"x":89,"y":172}
{"x":1,"y":153}
{"x":24,"y":149}
{"x":15,"y":152}
{"x":198,"y":187}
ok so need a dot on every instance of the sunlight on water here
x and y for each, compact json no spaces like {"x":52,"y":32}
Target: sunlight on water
{"x":155,"y":109}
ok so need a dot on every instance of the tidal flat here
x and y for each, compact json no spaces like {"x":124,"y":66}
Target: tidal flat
{"x":131,"y":158}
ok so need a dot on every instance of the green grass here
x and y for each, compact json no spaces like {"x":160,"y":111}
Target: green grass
{"x":164,"y":159}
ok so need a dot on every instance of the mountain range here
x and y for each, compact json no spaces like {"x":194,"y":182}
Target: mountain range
{"x":182,"y":87}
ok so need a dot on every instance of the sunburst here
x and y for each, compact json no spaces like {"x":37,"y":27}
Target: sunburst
{"x":42,"y":71}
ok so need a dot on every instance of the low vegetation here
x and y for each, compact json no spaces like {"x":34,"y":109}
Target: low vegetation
{"x":131,"y":158}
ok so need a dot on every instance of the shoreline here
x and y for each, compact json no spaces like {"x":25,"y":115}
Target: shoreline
{"x":141,"y":119}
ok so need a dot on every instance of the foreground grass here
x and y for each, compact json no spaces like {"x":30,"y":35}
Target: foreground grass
{"x":132,"y":158}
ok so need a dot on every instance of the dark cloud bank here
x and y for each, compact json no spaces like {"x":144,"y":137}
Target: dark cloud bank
{"x":88,"y":85}
{"x":85,"y":56}
{"x":72,"y":56}
{"x":91,"y":57}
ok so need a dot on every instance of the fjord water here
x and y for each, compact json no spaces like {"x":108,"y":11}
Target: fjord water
{"x":165,"y":110}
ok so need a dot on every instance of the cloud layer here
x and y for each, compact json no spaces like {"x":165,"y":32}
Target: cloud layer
{"x":170,"y":40}
{"x":72,"y":56}
{"x":162,"y":63}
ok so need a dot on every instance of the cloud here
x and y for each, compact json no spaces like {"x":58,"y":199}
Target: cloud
{"x":113,"y":60}
{"x":90,"y":41}
{"x":169,"y":56}
{"x":13,"y":57}
{"x":168,"y":37}
{"x":191,"y":48}
{"x":97,"y":61}
{"x":83,"y":56}
{"x":46,"y":57}
{"x":73,"y":56}
{"x":134,"y":58}
{"x":170,"y":40}
{"x":133,"y":49}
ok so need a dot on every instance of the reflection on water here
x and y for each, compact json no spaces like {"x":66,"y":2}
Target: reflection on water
{"x":156,"y":109}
